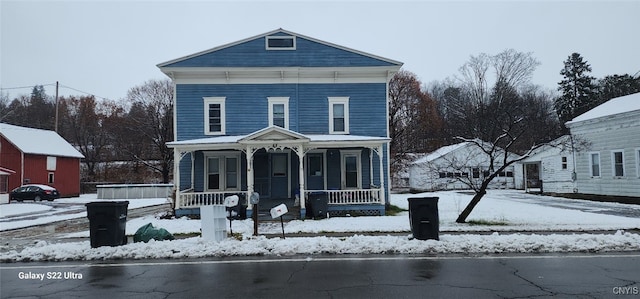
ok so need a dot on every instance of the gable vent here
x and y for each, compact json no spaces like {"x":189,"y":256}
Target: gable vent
{"x":280,"y":42}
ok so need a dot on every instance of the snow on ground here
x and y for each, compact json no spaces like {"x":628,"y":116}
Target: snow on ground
{"x":530,"y":223}
{"x":19,"y":215}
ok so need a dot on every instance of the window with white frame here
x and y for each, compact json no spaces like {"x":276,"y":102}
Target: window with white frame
{"x":638,"y":162}
{"x":280,"y":42}
{"x":564,"y":163}
{"x":214,"y":115}
{"x":617,"y":158}
{"x":351,"y":169}
{"x":51,"y":163}
{"x":594,"y":164}
{"x":339,"y":115}
{"x":279,"y":112}
{"x":222,"y":171}
{"x":4,"y":184}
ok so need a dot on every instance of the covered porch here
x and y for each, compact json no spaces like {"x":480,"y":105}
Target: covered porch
{"x":283,"y":167}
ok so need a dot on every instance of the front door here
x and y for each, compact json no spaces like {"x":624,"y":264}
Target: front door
{"x":315,"y":171}
{"x":279,"y":175}
{"x":262,"y":174}
{"x":532,"y":175}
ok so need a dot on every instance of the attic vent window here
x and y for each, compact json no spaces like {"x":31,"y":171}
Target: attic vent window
{"x":281,"y":43}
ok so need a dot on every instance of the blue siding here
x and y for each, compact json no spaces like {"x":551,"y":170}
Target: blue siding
{"x":254,"y":54}
{"x":308,"y":107}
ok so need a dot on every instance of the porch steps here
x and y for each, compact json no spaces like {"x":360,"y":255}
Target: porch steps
{"x":264,"y":212}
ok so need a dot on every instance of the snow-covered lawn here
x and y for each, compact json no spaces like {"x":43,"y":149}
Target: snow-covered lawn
{"x":528,"y":223}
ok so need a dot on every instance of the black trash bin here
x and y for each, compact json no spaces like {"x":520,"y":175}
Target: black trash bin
{"x":423,"y":217}
{"x":107,"y":223}
{"x":318,"y":205}
{"x":238,"y":212}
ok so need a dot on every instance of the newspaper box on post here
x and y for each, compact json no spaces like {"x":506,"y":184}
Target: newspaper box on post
{"x":230,"y":202}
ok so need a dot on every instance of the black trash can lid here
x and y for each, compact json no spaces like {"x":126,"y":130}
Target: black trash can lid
{"x":107,"y":203}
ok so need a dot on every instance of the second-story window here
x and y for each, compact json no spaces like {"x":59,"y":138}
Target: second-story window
{"x":339,"y":115}
{"x":279,"y":112}
{"x":214,"y":116}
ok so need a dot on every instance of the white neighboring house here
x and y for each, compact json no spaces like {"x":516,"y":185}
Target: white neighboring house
{"x":611,"y":164}
{"x":549,"y":169}
{"x":449,"y":167}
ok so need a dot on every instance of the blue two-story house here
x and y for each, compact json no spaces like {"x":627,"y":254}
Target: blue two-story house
{"x":284,"y":115}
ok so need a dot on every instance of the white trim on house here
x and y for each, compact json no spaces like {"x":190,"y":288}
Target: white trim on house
{"x":279,"y":100}
{"x":209,"y":101}
{"x":279,"y":75}
{"x":344,"y":101}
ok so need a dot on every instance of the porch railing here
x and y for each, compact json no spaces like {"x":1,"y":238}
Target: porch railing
{"x":351,"y":196}
{"x":190,"y":199}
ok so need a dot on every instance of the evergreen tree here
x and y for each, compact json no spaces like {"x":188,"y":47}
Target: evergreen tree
{"x":577,"y":88}
{"x":614,"y":86}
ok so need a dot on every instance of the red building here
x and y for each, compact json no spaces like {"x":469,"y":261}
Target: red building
{"x":37,"y":156}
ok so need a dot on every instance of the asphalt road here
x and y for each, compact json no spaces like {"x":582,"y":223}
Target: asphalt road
{"x":562,"y":276}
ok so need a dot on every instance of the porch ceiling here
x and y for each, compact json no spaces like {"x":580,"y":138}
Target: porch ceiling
{"x":271,"y":135}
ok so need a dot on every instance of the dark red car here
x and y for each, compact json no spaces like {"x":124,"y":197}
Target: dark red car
{"x":34,"y":192}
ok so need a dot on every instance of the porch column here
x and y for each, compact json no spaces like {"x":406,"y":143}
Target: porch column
{"x":249,"y":154}
{"x":382,"y":189}
{"x":176,"y":176}
{"x":300,"y":152}
{"x":193,"y":170}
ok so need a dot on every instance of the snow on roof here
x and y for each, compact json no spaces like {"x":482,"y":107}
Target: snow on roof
{"x":614,"y":106}
{"x":440,"y":152}
{"x":312,"y":138}
{"x":39,"y":142}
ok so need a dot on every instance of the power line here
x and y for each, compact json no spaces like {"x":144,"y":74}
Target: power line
{"x":53,"y":84}
{"x":91,"y":94}
{"x":23,"y":87}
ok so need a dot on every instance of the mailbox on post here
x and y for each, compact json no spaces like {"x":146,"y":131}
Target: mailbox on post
{"x":278,"y":211}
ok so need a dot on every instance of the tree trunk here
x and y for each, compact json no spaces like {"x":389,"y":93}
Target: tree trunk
{"x":462,"y":218}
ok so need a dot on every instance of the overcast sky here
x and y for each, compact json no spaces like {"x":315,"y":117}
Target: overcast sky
{"x":106,"y":47}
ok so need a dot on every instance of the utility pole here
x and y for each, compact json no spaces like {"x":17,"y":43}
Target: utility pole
{"x":56,"y":125}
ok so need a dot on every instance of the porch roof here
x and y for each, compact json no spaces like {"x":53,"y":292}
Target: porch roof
{"x":278,"y":135}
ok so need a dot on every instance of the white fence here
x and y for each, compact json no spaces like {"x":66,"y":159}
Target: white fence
{"x":133,"y":191}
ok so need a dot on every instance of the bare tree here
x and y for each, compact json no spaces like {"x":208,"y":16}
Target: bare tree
{"x":501,"y":122}
{"x":84,"y":126}
{"x":152,"y":121}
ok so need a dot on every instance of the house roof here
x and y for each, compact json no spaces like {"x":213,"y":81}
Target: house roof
{"x":269,"y":134}
{"x":38,"y":142}
{"x":6,"y":171}
{"x":207,"y":58}
{"x":612,"y":107}
{"x":440,"y":152}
